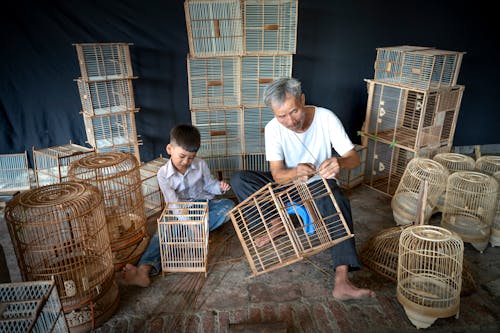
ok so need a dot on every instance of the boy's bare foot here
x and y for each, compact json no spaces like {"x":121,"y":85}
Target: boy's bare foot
{"x":136,"y":276}
{"x":277,"y":228}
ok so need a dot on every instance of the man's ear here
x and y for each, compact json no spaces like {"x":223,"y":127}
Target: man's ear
{"x":168,"y":148}
{"x":303,"y":99}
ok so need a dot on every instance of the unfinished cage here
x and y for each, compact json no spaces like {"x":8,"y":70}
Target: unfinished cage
{"x":117,"y":176}
{"x":470,"y":206}
{"x":270,"y":26}
{"x":51,"y":164}
{"x":104,"y":61}
{"x":405,"y":199}
{"x":183,"y":236}
{"x":495,"y":228}
{"x":153,"y":198}
{"x":418,"y":67}
{"x":254,"y":122}
{"x":214,"y":27}
{"x":429,"y":273}
{"x":488,"y":164}
{"x":411,"y":118}
{"x":59,"y":232}
{"x":349,"y":179}
{"x":282,"y":223}
{"x":14,"y":174}
{"x":32,"y":306}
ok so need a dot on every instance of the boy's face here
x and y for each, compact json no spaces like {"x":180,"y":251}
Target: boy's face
{"x":181,"y":158}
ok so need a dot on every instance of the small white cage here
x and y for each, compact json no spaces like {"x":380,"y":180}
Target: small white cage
{"x":417,"y":67}
{"x":32,"y":306}
{"x":469,"y":206}
{"x":429,"y":273}
{"x":270,"y":26}
{"x":495,"y":228}
{"x":282,"y":223}
{"x":214,"y":27}
{"x":254,"y":122}
{"x":153,"y":198}
{"x":105,"y":97}
{"x":183,"y":235}
{"x":349,"y":179}
{"x":14,"y":174}
{"x":104,"y":61}
{"x":52,"y":164}
{"x":488,"y":164}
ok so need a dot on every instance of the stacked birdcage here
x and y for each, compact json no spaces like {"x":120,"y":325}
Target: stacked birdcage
{"x":107,"y":97}
{"x":14,"y":173}
{"x":237,"y":48}
{"x":412,"y":109}
{"x":153,"y":198}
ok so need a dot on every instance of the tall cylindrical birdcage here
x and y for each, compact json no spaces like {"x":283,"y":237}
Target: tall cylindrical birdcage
{"x":117,"y":176}
{"x":429,"y":273}
{"x":469,"y":206}
{"x":59,"y":232}
{"x":488,"y":164}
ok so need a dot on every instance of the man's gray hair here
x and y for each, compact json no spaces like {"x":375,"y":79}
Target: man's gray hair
{"x":277,"y":91}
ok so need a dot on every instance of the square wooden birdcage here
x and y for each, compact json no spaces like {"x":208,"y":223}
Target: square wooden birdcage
{"x":283,"y":223}
{"x":220,"y":132}
{"x":51,"y":164}
{"x":214,"y":82}
{"x":104,"y":61}
{"x":183,"y":235}
{"x":32,"y":306}
{"x":223,"y":167}
{"x":257,"y":72}
{"x":413,"y":119}
{"x":252,"y":127}
{"x":255,"y":162}
{"x":105,"y":97}
{"x":153,"y":198}
{"x":349,"y":179}
{"x":214,"y":27}
{"x":417,"y":67}
{"x":270,"y":26}
{"x":113,"y":132}
{"x":14,"y":173}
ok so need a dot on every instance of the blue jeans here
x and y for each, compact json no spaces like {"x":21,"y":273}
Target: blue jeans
{"x":217,"y":209}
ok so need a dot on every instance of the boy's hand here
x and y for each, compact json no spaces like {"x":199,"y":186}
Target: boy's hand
{"x":224,"y":186}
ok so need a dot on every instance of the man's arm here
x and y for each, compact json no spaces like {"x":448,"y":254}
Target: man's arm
{"x":281,"y":174}
{"x":332,"y":166}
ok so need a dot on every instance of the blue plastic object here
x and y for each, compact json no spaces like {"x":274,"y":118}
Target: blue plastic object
{"x":293,"y":208}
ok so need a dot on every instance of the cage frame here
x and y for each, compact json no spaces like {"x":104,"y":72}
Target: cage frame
{"x":19,"y":167}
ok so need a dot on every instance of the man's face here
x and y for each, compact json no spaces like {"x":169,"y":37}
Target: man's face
{"x":291,"y":113}
{"x":181,"y":158}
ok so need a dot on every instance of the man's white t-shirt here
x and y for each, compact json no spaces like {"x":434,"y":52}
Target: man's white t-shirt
{"x":313,"y":146}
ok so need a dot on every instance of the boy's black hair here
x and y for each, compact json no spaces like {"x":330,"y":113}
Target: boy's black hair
{"x":186,"y":136}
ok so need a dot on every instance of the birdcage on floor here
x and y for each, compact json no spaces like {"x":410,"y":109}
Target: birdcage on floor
{"x":495,"y":228}
{"x":183,"y":236}
{"x":51,"y":164}
{"x":118,"y":178}
{"x":59,"y":232}
{"x":105,"y":97}
{"x":113,"y":132}
{"x":417,"y":67}
{"x":14,"y":173}
{"x":254,"y":122}
{"x":470,"y":206}
{"x":258,"y":72}
{"x":410,"y":118}
{"x":282,"y":223}
{"x":255,"y":162}
{"x":270,"y":26}
{"x":429,"y":273}
{"x":488,"y":164}
{"x":405,"y":199}
{"x":32,"y":306}
{"x":214,"y":27}
{"x":153,"y":198}
{"x":220,"y":132}
{"x":349,"y":179}
{"x":104,"y":61}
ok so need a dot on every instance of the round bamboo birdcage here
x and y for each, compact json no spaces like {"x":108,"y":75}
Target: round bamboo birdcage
{"x":469,"y":206}
{"x":117,"y":176}
{"x":453,"y":162}
{"x":488,"y":164}
{"x":429,"y":273}
{"x":59,"y":232}
{"x":404,"y":201}
{"x":495,"y":228}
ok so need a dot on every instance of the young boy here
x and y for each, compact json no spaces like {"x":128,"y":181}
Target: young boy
{"x":183,"y":178}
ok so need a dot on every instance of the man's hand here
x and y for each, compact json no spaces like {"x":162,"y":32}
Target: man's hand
{"x":329,"y":168}
{"x":305,"y":171}
{"x":224,"y":186}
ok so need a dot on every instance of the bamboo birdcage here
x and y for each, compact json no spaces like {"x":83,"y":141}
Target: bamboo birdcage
{"x":183,"y":236}
{"x":117,"y":176}
{"x":405,"y":199}
{"x":51,"y":164}
{"x":104,"y":61}
{"x":488,"y":164}
{"x":429,"y":273}
{"x":32,"y":306}
{"x":495,"y":228}
{"x":349,"y":179}
{"x":255,"y":162}
{"x":470,"y":206}
{"x":253,"y":124}
{"x":305,"y":215}
{"x":417,"y":67}
{"x":59,"y":232}
{"x":270,"y":27}
{"x":153,"y":198}
{"x":14,"y":174}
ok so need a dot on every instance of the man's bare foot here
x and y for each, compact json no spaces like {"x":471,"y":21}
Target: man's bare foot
{"x":346,"y":291}
{"x":277,"y":228}
{"x":136,"y":276}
